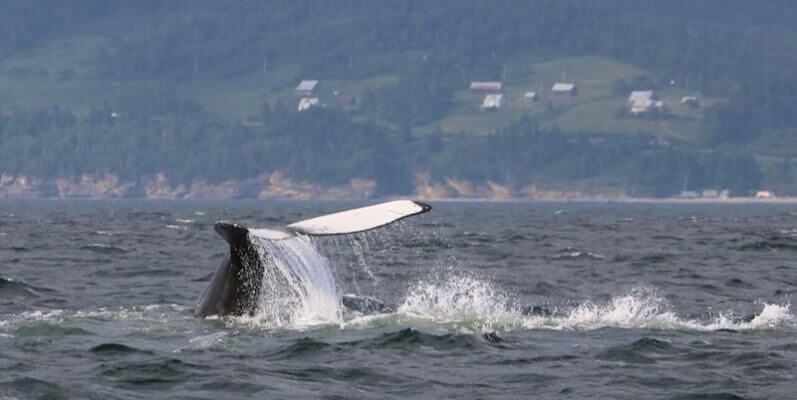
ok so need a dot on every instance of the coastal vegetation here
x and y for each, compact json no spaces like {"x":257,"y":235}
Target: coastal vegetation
{"x":204,"y":91}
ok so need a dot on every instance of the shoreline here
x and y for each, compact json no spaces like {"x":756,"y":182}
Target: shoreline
{"x":629,"y":200}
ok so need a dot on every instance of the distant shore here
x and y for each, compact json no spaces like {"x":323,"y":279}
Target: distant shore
{"x":663,"y":200}
{"x":274,"y":186}
{"x":629,"y":200}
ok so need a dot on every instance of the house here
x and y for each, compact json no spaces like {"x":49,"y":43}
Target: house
{"x":690,"y":101}
{"x":492,"y":101}
{"x":479,"y":86}
{"x":765,"y":195}
{"x":641,"y":101}
{"x":710,"y":194}
{"x":307,"y":102}
{"x":529,"y":97}
{"x":716,"y":194}
{"x":564,"y":89}
{"x":306,"y":87}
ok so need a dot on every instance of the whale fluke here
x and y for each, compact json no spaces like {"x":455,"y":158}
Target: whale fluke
{"x":235,"y":287}
{"x":233,"y":233}
{"x":359,"y":219}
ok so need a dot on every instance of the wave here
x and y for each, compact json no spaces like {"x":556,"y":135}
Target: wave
{"x":116,"y":349}
{"x":578,"y":255}
{"x":16,"y":288}
{"x":57,"y":322}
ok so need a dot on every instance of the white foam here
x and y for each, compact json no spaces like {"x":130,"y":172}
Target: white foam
{"x":202,"y":342}
{"x":454,"y":299}
{"x":462,"y":302}
{"x":466,"y":304}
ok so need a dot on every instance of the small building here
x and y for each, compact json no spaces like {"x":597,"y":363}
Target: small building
{"x":529,"y":97}
{"x":716,"y":194}
{"x":492,"y":101}
{"x":483,"y":86}
{"x":564,"y":89}
{"x":307,"y":102}
{"x":764,"y":195}
{"x":690,"y":101}
{"x":306,"y":87}
{"x":641,"y":101}
{"x":710,"y":194}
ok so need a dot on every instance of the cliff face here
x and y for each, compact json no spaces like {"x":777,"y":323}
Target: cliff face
{"x":107,"y":185}
{"x":265,"y":186}
{"x":272,"y":185}
{"x":25,"y":186}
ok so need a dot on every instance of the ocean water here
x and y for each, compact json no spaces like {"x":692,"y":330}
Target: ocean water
{"x":481,"y":300}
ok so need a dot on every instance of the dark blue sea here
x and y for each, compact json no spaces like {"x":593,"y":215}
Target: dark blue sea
{"x":478,"y":301}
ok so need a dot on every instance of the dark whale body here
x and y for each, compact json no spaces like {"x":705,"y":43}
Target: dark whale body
{"x":235,"y":287}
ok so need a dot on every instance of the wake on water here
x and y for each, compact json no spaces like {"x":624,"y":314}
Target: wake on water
{"x":299,"y":291}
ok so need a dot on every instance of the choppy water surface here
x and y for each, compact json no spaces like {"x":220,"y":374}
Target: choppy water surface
{"x":482,"y":301}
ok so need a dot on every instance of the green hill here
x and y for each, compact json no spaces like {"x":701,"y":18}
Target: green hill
{"x":137,"y":89}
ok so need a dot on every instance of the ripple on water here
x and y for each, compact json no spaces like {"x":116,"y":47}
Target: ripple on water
{"x":150,"y":375}
{"x":49,"y":329}
{"x":643,"y":351}
{"x":100,"y":248}
{"x":28,"y":388}
{"x":116,"y":349}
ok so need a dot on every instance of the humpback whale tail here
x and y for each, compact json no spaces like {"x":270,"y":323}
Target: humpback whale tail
{"x":236,"y":286}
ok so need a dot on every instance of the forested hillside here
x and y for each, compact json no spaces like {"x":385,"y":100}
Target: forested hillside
{"x":204,"y":91}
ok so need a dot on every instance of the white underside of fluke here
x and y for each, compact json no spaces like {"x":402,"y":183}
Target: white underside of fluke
{"x":349,"y":221}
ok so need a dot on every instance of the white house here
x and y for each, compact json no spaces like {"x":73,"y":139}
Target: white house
{"x":641,"y":101}
{"x":564,"y":89}
{"x":765,"y":195}
{"x":690,"y":101}
{"x":480,"y":86}
{"x":306,"y":87}
{"x":529,"y":97}
{"x":307,"y":102}
{"x":492,"y":101}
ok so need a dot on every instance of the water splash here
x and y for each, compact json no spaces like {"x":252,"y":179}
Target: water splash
{"x":456,"y":298}
{"x":466,"y":304}
{"x":298,"y":287}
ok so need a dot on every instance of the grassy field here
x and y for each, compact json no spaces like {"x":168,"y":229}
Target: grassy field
{"x":60,"y":73}
{"x":596,"y":108}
